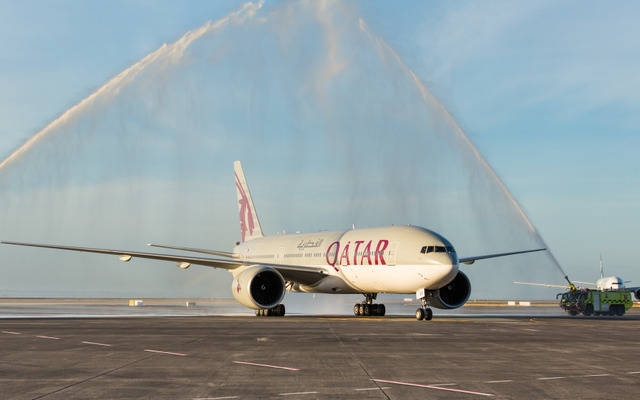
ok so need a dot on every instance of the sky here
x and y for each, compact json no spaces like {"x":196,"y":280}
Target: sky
{"x":547,"y":92}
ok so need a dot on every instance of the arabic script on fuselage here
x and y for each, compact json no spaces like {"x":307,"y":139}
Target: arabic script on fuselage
{"x":306,"y":244}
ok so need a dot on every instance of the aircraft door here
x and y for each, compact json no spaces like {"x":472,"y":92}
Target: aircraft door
{"x":393,"y":250}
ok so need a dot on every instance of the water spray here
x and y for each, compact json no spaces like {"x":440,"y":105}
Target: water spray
{"x":166,"y":53}
{"x":430,"y":99}
{"x":226,"y":76}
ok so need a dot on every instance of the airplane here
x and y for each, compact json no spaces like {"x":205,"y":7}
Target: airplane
{"x":369,"y":261}
{"x":605,"y":283}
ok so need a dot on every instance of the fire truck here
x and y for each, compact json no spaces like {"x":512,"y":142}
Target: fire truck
{"x":596,"y":302}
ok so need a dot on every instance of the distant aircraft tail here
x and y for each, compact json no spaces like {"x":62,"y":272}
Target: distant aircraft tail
{"x":249,"y":224}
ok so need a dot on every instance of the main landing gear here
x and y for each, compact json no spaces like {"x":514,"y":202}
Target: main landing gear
{"x":277,"y":311}
{"x":367,"y":308}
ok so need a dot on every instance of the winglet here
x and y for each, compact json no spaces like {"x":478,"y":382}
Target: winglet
{"x":249,"y":224}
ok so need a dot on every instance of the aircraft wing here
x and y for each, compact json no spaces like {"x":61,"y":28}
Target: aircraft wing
{"x":213,"y":252}
{"x":305,"y":275}
{"x":471,"y":260}
{"x":550,"y":285}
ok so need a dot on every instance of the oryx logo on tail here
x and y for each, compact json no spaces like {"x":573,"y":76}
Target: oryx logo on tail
{"x":249,"y":224}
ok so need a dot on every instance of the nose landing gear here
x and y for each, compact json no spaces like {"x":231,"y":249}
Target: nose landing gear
{"x":424,"y":312}
{"x":367,"y":308}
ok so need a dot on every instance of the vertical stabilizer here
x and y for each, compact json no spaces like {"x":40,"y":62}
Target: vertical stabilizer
{"x":249,"y":224}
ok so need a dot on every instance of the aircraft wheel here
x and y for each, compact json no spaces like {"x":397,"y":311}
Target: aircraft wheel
{"x":366,"y":310}
{"x":573,"y":313}
{"x":258,"y":313}
{"x":356,"y":310}
{"x":381,"y":310}
{"x":375,"y":309}
{"x":420,"y":314}
{"x":280,"y":310}
{"x":429,"y":315}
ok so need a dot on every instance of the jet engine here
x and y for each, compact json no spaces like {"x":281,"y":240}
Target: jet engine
{"x":258,"y":287}
{"x":452,"y":295}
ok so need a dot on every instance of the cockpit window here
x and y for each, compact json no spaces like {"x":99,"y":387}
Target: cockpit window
{"x":437,"y":249}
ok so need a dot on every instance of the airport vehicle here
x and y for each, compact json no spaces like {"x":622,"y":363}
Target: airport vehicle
{"x":598,"y":302}
{"x":604,"y":284}
{"x":607,"y":283}
{"x":392,"y":259}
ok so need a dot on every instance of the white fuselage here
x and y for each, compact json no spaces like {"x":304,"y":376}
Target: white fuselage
{"x":610,"y":283}
{"x":396,"y":259}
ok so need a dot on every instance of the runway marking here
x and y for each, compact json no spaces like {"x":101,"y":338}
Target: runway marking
{"x":531,"y":330}
{"x":167,"y":352}
{"x":584,"y":324}
{"x":552,"y":378}
{"x":99,"y":344}
{"x":503,"y":381}
{"x":634,"y":372}
{"x":217,"y":398}
{"x":48,"y":337}
{"x":12,"y":333}
{"x":293,"y":394}
{"x":595,"y":375}
{"x":375,"y":388}
{"x":435,"y":387}
{"x":267,"y":365}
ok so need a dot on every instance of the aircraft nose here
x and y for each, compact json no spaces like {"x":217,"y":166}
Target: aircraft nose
{"x":448,"y":258}
{"x":453,"y":257}
{"x":446,"y":273}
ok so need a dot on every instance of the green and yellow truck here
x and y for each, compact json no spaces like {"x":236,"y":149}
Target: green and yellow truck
{"x":596,"y":302}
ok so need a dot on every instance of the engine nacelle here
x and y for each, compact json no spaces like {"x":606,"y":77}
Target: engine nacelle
{"x":258,"y":287}
{"x":452,"y":295}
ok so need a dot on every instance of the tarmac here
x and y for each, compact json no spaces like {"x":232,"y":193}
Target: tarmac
{"x":504,"y":352}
